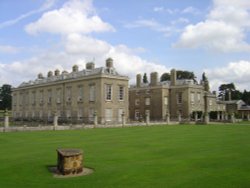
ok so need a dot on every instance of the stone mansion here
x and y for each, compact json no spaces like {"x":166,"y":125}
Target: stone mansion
{"x":81,"y":94}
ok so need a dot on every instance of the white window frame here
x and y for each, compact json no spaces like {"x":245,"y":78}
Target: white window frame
{"x":108,"y":114}
{"x":147,"y":101}
{"x":137,"y":102}
{"x":137,"y":114}
{"x":92,"y":93}
{"x":165,"y":100}
{"x":121,"y":93}
{"x":179,"y":98}
{"x":192,"y":97}
{"x":108,"y":92}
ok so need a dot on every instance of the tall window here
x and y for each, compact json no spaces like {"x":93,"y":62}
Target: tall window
{"x":108,"y":92}
{"x":92,"y":93}
{"x":166,"y":100}
{"x":49,"y":96}
{"x":147,"y":101}
{"x":199,"y":97}
{"x":91,"y":114}
{"x":80,"y":93}
{"x":58,"y":95}
{"x":108,"y":114}
{"x":68,"y":94}
{"x":137,"y":102}
{"x":179,"y":98}
{"x":210,"y":102}
{"x":120,"y":112}
{"x":121,"y":93}
{"x":33,"y":98}
{"x":137,"y":115}
{"x":27,"y":98}
{"x":192,"y":97}
{"x":21,"y":99}
{"x":41,"y":96}
{"x":79,"y":113}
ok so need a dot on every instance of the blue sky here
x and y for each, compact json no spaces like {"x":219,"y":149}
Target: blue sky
{"x":209,"y":36}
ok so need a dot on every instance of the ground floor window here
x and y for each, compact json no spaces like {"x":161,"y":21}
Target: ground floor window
{"x":137,"y":115}
{"x":108,"y":114}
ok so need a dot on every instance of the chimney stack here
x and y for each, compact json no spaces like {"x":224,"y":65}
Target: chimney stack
{"x":75,"y":68}
{"x":57,"y":72}
{"x":90,"y":66}
{"x":138,"y":80}
{"x":50,"y":74}
{"x":153,"y":78}
{"x":109,"y":63}
{"x":173,"y":77}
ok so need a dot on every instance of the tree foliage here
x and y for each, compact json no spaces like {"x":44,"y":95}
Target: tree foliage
{"x":165,"y":77}
{"x":185,"y":75}
{"x":225,"y":89}
{"x":5,"y":97}
{"x":145,"y":78}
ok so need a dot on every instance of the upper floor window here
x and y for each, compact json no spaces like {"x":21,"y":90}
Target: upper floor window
{"x":147,"y":101}
{"x":58,"y":95}
{"x":137,"y":102}
{"x":49,"y":96}
{"x":41,"y":96}
{"x":192,"y":97}
{"x":68,"y":94}
{"x":92,"y":93}
{"x":166,"y":100}
{"x":108,"y":92}
{"x":33,"y":98}
{"x":121,"y":93}
{"x":80,"y":93}
{"x":179,"y":98}
{"x":199,"y":97}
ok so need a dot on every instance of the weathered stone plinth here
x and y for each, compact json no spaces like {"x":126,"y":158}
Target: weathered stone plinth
{"x":69,"y":161}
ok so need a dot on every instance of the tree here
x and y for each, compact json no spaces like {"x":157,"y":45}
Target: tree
{"x":5,"y":97}
{"x":165,"y":77}
{"x":145,"y":78}
{"x":225,"y":89}
{"x":185,"y":75}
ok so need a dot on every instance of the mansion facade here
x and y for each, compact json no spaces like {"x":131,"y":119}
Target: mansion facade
{"x":175,"y":98}
{"x":80,"y":94}
{"x":83,"y":94}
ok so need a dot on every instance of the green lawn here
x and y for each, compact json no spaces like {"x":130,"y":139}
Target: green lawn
{"x":159,"y":156}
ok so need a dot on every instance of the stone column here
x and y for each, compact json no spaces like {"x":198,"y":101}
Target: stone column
{"x":206,"y":118}
{"x":123,"y":118}
{"x":232,"y":118}
{"x":147,"y":118}
{"x":95,"y":119}
{"x":222,"y":116}
{"x":195,"y":116}
{"x":167,"y":118}
{"x":218,"y":116}
{"x":55,"y":120}
{"x":248,"y":116}
{"x":6,"y":119}
{"x":179,"y":117}
{"x":226,"y":116}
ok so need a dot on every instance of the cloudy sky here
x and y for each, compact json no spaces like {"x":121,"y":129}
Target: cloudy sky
{"x":209,"y":36}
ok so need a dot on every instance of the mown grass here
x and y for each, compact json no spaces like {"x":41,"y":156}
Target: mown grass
{"x":158,"y":156}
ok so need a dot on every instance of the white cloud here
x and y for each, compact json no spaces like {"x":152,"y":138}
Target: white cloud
{"x":79,"y":49}
{"x":236,"y":72}
{"x":76,"y":16}
{"x":8,"y":49}
{"x":153,"y":25}
{"x":190,"y":10}
{"x":224,"y":29}
{"x":47,"y":5}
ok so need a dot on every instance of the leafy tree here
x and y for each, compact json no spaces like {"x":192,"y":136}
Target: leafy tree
{"x":145,"y":78}
{"x":5,"y":97}
{"x":224,"y":90}
{"x":246,"y":97}
{"x":185,"y":75}
{"x":165,"y":77}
